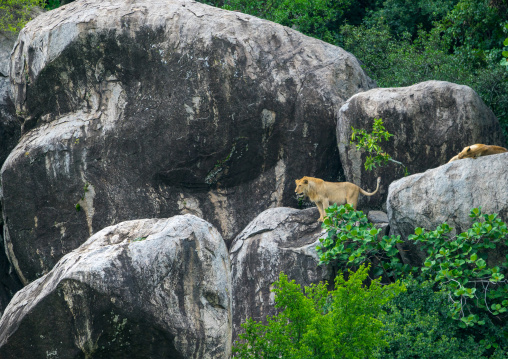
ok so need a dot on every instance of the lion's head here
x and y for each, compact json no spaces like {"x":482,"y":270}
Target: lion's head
{"x":466,"y":151}
{"x":302,"y":187}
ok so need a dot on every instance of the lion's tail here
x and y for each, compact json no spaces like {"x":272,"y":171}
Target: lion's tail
{"x":371,"y":193}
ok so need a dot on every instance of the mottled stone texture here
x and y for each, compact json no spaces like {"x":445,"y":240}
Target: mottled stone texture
{"x":447,"y":194}
{"x":10,"y":131}
{"x":431,"y":122}
{"x":136,"y":109}
{"x":155,"y":288}
{"x":278,"y":240}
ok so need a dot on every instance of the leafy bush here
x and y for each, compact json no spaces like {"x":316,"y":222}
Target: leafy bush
{"x":318,"y":323}
{"x":353,"y":241}
{"x":458,"y":265}
{"x":504,"y":61}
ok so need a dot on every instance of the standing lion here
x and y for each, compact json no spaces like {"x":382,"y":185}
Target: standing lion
{"x":323,"y":193}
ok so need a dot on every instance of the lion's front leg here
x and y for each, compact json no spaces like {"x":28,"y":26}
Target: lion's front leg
{"x":321,"y":211}
{"x":325,"y":205}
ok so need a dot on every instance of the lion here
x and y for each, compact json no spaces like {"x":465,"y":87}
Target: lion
{"x":323,"y":193}
{"x":478,"y":150}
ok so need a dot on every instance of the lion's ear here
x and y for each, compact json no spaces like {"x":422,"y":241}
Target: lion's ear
{"x":305,"y":181}
{"x":468,"y":149}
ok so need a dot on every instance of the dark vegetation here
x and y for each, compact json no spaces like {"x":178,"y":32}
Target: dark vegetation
{"x":403,"y":42}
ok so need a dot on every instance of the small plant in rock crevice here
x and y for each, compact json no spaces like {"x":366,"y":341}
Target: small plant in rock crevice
{"x":85,"y":190}
{"x":370,"y":143}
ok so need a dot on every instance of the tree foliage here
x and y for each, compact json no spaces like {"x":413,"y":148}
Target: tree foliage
{"x":417,"y":325}
{"x":14,"y":14}
{"x":317,"y":323}
{"x":407,"y":16}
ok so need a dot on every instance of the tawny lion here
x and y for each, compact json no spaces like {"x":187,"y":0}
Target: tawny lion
{"x":478,"y":150}
{"x":323,"y":193}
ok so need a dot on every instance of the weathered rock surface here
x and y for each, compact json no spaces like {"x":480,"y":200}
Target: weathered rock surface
{"x":380,"y":220}
{"x":10,"y":132}
{"x":431,"y":122}
{"x":10,"y":129}
{"x":447,"y":194}
{"x":9,"y":281}
{"x":154,"y":288}
{"x":278,"y":240}
{"x":163,"y":108}
{"x":377,"y":217}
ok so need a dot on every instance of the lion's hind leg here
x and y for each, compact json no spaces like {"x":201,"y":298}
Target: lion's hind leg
{"x":353,"y":199}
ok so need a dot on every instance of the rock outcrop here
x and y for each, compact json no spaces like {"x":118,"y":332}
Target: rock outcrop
{"x":447,"y":194}
{"x":431,"y":122}
{"x":155,"y":288}
{"x":136,"y":109}
{"x":278,"y":240}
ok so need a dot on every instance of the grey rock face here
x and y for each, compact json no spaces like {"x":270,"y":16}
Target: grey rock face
{"x":431,"y":122}
{"x":279,"y":239}
{"x":10,"y":131}
{"x":155,"y":288}
{"x":447,"y":194}
{"x":163,"y":108}
{"x":9,"y":281}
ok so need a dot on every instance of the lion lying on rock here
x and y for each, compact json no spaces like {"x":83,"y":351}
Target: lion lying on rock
{"x":324,"y":194}
{"x":477,"y":150}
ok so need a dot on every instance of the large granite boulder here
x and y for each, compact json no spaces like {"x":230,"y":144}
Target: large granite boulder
{"x":153,"y":288}
{"x":447,"y":194}
{"x":431,"y":122}
{"x":278,"y":240}
{"x":136,"y":109}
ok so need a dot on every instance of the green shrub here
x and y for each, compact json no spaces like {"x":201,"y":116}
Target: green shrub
{"x":352,"y":241}
{"x":318,"y":323}
{"x":458,"y":265}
